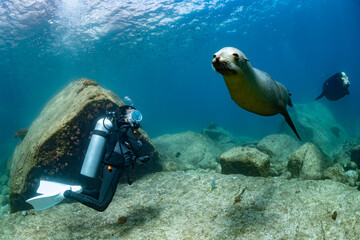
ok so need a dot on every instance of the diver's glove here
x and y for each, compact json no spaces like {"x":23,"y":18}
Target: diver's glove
{"x":142,"y":160}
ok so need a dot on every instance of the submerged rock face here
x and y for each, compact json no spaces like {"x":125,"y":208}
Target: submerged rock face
{"x":245,"y":160}
{"x":187,"y":151}
{"x":56,"y":143}
{"x":316,"y":124}
{"x":308,"y":162}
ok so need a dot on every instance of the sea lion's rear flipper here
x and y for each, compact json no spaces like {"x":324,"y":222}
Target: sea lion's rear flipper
{"x":320,"y":96}
{"x":290,"y":123}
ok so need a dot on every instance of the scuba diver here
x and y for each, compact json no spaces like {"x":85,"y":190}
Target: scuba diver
{"x":119,"y":153}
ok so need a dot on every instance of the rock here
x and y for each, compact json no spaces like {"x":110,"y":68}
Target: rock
{"x":221,"y":137}
{"x":4,"y":179}
{"x":355,"y":155}
{"x":337,"y":173}
{"x":316,"y":124}
{"x":179,"y":205}
{"x":21,"y":133}
{"x":4,"y":211}
{"x":5,"y":190}
{"x":350,"y":166}
{"x":187,"y":151}
{"x":342,"y":154}
{"x":2,"y":200}
{"x":353,"y":177}
{"x":56,"y":143}
{"x":250,"y":143}
{"x":308,"y":162}
{"x":278,"y":147}
{"x":245,"y":160}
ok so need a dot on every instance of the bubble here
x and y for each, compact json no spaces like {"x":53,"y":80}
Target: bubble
{"x":128,"y":101}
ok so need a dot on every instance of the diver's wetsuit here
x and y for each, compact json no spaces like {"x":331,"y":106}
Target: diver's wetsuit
{"x":117,"y":158}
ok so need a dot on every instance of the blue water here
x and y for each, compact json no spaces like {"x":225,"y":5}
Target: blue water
{"x":159,"y":53}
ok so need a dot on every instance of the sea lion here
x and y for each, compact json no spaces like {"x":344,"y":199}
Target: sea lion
{"x":251,"y":88}
{"x":335,"y":87}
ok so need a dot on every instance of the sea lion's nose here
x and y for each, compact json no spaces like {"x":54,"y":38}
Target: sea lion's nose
{"x":217,"y":59}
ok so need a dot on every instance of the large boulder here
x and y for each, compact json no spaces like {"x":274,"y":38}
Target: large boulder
{"x":187,"y":151}
{"x":56,"y":143}
{"x":308,"y":162}
{"x":316,"y":124}
{"x":245,"y":160}
{"x":278,"y":147}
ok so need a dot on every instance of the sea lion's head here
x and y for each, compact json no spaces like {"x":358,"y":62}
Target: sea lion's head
{"x":229,"y":61}
{"x":345,"y":79}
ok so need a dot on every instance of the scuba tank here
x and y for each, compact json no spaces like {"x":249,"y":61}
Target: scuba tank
{"x":96,"y":149}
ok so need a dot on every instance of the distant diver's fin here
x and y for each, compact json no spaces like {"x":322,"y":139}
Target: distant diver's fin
{"x":320,"y":96}
{"x":45,"y":201}
{"x":52,"y":194}
{"x":290,"y":123}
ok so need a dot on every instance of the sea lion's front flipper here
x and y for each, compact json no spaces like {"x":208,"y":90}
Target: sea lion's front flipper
{"x":320,"y":96}
{"x":290,"y":123}
{"x":290,"y":102}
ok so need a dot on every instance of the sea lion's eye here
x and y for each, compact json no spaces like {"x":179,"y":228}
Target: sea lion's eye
{"x":214,"y":56}
{"x":236,"y":55}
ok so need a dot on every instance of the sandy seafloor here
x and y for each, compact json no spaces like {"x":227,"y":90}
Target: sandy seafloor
{"x":180,"y":205}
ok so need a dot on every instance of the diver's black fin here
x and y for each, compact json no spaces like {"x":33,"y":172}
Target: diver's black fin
{"x":290,"y":123}
{"x":321,"y":95}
